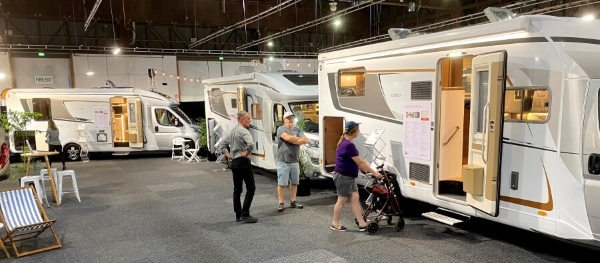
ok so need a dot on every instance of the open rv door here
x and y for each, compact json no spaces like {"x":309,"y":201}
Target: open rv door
{"x":481,"y":182}
{"x":126,"y":119}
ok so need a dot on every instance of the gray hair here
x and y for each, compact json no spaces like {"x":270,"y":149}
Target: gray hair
{"x":241,"y":114}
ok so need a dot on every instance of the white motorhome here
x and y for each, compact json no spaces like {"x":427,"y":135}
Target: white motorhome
{"x":117,"y":120}
{"x":497,"y":121}
{"x":266,"y":96}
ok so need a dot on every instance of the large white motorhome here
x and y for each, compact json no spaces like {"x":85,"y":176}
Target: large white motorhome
{"x":266,"y":94}
{"x":117,"y":120}
{"x":497,"y":121}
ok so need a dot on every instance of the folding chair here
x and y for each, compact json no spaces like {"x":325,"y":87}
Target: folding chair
{"x":178,"y":146}
{"x":24,"y":218}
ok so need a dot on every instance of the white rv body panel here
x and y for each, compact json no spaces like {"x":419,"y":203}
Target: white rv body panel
{"x":542,"y":181}
{"x":71,"y":108}
{"x":276,"y":93}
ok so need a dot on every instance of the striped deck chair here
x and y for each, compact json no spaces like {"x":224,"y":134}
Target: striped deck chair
{"x":24,"y":218}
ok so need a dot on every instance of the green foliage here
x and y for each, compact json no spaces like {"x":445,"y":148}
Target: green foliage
{"x":16,"y":122}
{"x":304,"y":162}
{"x":202,"y":133}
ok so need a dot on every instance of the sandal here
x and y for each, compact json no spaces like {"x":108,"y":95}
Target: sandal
{"x":340,"y":228}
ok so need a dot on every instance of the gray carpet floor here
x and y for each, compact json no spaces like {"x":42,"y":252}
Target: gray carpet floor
{"x":152,"y":209}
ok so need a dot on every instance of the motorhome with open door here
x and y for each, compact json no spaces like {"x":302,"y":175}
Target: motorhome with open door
{"x":266,"y":94}
{"x":498,"y":121}
{"x":117,"y":120}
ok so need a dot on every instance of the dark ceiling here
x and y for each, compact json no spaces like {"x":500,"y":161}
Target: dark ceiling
{"x":178,"y":24}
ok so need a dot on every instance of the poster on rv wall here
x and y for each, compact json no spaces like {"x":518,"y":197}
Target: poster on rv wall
{"x":417,"y":130}
{"x":101,"y":118}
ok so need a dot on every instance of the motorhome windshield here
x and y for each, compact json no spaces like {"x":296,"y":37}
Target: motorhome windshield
{"x":307,"y":114}
{"x":182,"y":114}
{"x":303,"y":79}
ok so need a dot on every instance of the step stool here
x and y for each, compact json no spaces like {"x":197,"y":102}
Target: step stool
{"x":38,"y":184}
{"x":44,"y":174}
{"x":61,"y":175}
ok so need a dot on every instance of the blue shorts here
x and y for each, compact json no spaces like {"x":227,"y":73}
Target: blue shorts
{"x":288,"y":173}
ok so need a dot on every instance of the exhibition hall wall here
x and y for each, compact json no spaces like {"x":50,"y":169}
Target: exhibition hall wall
{"x":180,"y":78}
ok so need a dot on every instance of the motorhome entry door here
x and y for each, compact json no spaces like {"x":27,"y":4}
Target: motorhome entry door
{"x":591,"y":155}
{"x":126,"y":119}
{"x":481,"y":173}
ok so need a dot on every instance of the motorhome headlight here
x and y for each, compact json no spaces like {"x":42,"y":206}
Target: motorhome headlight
{"x":313,"y":143}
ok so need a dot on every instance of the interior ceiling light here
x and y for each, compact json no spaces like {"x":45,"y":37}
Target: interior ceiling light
{"x":90,"y":73}
{"x":116,"y":51}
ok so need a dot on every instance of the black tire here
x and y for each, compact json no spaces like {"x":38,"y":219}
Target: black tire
{"x":400,"y":224}
{"x":72,"y":152}
{"x":372,"y":227}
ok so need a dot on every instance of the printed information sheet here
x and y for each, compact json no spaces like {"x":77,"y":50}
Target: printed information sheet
{"x":417,"y":130}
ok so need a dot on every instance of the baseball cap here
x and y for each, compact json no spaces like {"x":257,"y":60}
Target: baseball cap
{"x":351,"y":124}
{"x":288,"y":114}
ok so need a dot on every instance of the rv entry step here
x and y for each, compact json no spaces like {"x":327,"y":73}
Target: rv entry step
{"x":120,"y":153}
{"x":442,"y":218}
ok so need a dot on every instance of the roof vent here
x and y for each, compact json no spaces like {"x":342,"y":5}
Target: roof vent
{"x":496,"y":14}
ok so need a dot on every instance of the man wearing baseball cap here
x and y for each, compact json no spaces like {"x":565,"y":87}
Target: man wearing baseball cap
{"x":288,"y":159}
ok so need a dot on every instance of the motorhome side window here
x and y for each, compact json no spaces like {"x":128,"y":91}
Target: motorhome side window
{"x":526,"y":104}
{"x":42,"y":106}
{"x":351,"y":82}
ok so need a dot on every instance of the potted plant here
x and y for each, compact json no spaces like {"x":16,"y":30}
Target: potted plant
{"x":304,"y":185}
{"x":15,"y":122}
{"x":202,"y":137}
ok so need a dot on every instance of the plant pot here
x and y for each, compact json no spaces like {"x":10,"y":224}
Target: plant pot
{"x":304,"y":187}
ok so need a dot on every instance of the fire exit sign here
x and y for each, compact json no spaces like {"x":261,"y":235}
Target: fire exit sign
{"x":43,"y":80}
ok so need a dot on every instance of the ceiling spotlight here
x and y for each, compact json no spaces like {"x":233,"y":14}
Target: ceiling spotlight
{"x":337,"y":22}
{"x":588,"y":17}
{"x":270,"y":44}
{"x":90,"y":73}
{"x":116,"y":51}
{"x":332,"y":6}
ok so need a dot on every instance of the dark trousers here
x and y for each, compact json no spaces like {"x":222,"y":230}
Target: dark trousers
{"x":57,"y":148}
{"x":242,"y":173}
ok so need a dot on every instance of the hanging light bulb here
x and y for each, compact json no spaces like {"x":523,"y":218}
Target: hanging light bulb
{"x":171,"y":76}
{"x":163,"y":73}
{"x":155,"y":71}
{"x":184,"y":78}
{"x":177,"y":77}
{"x":298,"y":64}
{"x":309,"y":64}
{"x":197,"y":80}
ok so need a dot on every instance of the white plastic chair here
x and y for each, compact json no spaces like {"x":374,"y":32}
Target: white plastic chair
{"x":178,"y":145}
{"x":194,"y":152}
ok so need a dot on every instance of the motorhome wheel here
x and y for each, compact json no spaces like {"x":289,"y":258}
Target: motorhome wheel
{"x":72,"y":152}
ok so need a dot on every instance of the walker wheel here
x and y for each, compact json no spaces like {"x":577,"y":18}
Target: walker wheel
{"x":400,"y":224}
{"x":372,"y":227}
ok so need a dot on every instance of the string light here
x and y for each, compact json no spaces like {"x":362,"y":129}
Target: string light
{"x":185,"y":78}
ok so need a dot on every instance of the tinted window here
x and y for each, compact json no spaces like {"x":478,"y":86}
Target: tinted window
{"x":303,"y":79}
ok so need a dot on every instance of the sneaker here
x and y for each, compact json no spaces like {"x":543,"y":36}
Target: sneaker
{"x":296,"y":205}
{"x":361,"y":229}
{"x":340,"y":228}
{"x":280,"y":207}
{"x":248,"y":219}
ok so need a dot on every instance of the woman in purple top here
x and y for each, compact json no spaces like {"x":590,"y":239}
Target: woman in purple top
{"x":347,"y":163}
